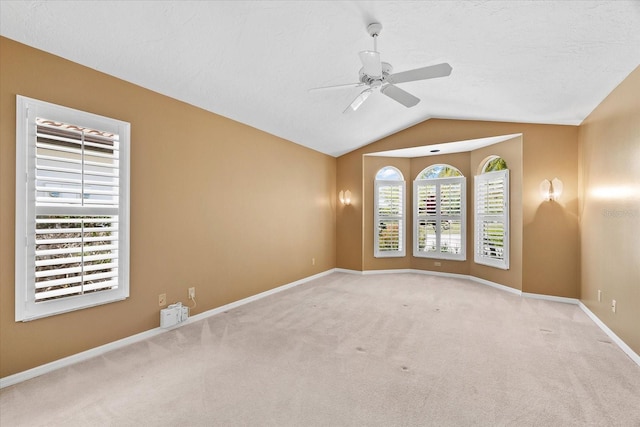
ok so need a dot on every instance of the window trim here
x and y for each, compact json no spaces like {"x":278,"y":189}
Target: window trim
{"x":438,"y":182}
{"x":27,"y":110}
{"x":478,"y":257}
{"x":377,"y":253}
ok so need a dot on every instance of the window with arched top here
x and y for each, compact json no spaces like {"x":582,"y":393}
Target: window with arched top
{"x":439,"y":220}
{"x":439,"y":171}
{"x":494,"y":164}
{"x":491,"y":237}
{"x":389,"y":214}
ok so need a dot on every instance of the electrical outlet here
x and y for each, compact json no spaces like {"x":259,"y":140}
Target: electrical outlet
{"x":162,"y":300}
{"x":192,"y":293}
{"x":437,"y":263}
{"x":613,"y":305}
{"x":313,"y":261}
{"x":599,"y":295}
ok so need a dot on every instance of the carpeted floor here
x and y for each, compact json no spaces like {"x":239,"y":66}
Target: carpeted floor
{"x":350,"y":350}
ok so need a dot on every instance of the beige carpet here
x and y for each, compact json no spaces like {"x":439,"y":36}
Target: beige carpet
{"x":350,"y":350}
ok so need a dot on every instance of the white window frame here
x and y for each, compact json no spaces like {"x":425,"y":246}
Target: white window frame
{"x":440,"y":218}
{"x":378,"y":251}
{"x":27,"y":111}
{"x":501,"y":179}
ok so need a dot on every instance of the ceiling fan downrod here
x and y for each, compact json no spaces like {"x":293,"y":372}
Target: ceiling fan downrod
{"x":374,"y":31}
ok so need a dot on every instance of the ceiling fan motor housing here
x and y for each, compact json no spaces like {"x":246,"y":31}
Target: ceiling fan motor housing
{"x":387,"y":70}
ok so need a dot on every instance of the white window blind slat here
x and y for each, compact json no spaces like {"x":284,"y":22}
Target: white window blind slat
{"x":43,"y":284}
{"x":76,"y":230}
{"x":101,"y":285}
{"x":77,"y":240}
{"x":106,"y":219}
{"x":76,"y":270}
{"x":53,"y":180}
{"x":72,"y":260}
{"x":73,"y":250}
{"x":76,"y":144}
{"x":78,"y":190}
{"x":62,"y":170}
{"x":56,"y":293}
{"x":64,"y":164}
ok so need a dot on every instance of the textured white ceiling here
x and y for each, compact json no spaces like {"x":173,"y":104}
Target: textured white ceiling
{"x":254,"y":61}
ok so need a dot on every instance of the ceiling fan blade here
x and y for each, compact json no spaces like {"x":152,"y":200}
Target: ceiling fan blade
{"x":358,"y":101}
{"x":430,"y":72}
{"x":338,"y":86}
{"x":402,"y":96}
{"x":371,"y":63}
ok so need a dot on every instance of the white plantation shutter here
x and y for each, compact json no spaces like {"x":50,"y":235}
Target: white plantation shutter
{"x":439,"y":218}
{"x":389,"y":218}
{"x":74,"y":255}
{"x":73,"y":208}
{"x":492,"y":219}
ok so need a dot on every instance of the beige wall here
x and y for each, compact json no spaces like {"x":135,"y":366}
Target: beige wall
{"x":531,"y":269}
{"x":215,"y":204}
{"x":349,"y":229}
{"x":610,"y":210}
{"x":511,"y":152}
{"x":551,"y":240}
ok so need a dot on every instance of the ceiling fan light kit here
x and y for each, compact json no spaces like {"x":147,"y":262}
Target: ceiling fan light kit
{"x":378,"y":76}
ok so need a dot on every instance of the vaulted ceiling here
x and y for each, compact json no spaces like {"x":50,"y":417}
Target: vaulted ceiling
{"x":255,"y":61}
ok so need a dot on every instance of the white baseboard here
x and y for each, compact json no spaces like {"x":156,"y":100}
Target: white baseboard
{"x":97,"y":351}
{"x":398,"y":271}
{"x":76,"y":358}
{"x":616,"y":339}
{"x":434,"y":273}
{"x":564,"y":300}
{"x":496,"y":285}
{"x":347,"y":271}
{"x":256,"y":297}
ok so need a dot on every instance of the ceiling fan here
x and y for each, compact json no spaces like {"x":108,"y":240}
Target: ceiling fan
{"x":378,"y":76}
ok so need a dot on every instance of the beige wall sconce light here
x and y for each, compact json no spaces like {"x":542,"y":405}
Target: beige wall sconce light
{"x":345,"y":197}
{"x":551,"y":190}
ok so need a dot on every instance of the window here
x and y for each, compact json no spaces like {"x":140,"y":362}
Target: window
{"x":494,"y":163}
{"x":389,"y":214}
{"x":439,"y":227}
{"x":492,"y":214}
{"x":72,"y":209}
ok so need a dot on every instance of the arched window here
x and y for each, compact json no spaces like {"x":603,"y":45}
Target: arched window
{"x":493,"y":164}
{"x":439,"y":224}
{"x":491,"y":237}
{"x":389,"y":214}
{"x":439,"y":171}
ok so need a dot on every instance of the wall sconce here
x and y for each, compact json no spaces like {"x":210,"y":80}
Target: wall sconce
{"x":345,"y":197}
{"x":551,"y":190}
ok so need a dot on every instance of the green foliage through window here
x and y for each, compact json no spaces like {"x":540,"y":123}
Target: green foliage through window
{"x":495,"y":164}
{"x":439,"y":171}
